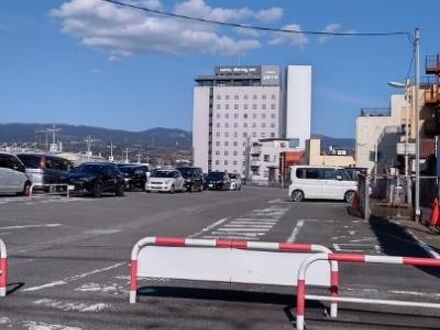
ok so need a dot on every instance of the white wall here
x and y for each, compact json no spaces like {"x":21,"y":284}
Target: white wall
{"x":298,"y":104}
{"x":201,"y":127}
{"x":369,"y":131}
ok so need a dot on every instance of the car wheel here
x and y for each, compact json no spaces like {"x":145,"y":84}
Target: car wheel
{"x":297,"y":196}
{"x":172,"y":189}
{"x":349,"y":195}
{"x":97,"y":190}
{"x":26,"y":189}
{"x":120,"y":190}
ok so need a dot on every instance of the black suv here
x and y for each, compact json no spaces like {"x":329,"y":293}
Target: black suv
{"x":193,"y":176}
{"x":135,"y":176}
{"x":96,"y":178}
{"x":218,"y":180}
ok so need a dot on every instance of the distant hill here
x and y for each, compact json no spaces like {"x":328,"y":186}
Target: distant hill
{"x":344,"y":143}
{"x":155,"y":138}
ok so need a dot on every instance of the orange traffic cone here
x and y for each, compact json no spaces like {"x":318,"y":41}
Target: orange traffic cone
{"x":434,"y":220}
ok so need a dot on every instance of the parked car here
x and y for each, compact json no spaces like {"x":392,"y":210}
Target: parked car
{"x":135,"y":176}
{"x":13,"y":177}
{"x":321,"y":182}
{"x":218,"y":180}
{"x":205,"y":181}
{"x":193,"y":178}
{"x":45,"y":169}
{"x":166,"y":180}
{"x":236,"y":181}
{"x":95,"y":179}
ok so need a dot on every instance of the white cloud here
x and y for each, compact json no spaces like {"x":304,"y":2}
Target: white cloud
{"x":121,"y":31}
{"x":332,"y":27}
{"x":297,"y":39}
{"x":200,"y":9}
{"x":271,"y":14}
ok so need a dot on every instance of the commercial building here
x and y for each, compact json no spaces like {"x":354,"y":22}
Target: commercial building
{"x":335,"y":157}
{"x":370,"y":128}
{"x":265,"y":159}
{"x":240,"y":105}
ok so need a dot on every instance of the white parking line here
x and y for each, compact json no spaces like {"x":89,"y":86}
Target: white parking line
{"x":245,"y":229}
{"x":423,"y":245}
{"x":208,"y":228}
{"x":296,"y":230}
{"x":48,"y":225}
{"x":73,"y":278}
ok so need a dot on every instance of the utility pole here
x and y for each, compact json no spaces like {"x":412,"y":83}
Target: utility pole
{"x":127,"y":161}
{"x":111,"y":146}
{"x":417,"y":114}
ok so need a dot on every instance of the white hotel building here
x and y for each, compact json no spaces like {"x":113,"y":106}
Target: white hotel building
{"x":239,"y":105}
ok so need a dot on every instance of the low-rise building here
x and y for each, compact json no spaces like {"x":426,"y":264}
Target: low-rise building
{"x":338,"y":157}
{"x":265,"y":159}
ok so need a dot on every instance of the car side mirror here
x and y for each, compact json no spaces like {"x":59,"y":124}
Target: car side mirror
{"x":339,"y":178}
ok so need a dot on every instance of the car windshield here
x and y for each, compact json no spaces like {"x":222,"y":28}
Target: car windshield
{"x":215,"y":176}
{"x":163,"y":174}
{"x":94,"y":169}
{"x":30,"y":161}
{"x":187,"y":172}
{"x":233,"y":175}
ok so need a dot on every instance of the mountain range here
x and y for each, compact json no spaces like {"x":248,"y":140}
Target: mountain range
{"x":154,"y":138}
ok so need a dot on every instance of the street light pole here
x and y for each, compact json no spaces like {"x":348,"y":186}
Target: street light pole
{"x":417,"y":114}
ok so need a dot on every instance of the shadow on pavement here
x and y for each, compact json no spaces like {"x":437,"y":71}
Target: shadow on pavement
{"x":287,"y":300}
{"x":12,"y":287}
{"x":395,"y":241}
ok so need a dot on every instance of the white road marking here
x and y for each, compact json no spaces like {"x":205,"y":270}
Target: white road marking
{"x":70,"y":306}
{"x":245,"y":229}
{"x":102,"y":231}
{"x":47,"y":225}
{"x":208,"y":228}
{"x":423,"y":245}
{"x":366,"y":239}
{"x":74,"y":278}
{"x":113,"y":288}
{"x":355,"y":247}
{"x":45,"y":286}
{"x":234,"y":225}
{"x":351,"y":232}
{"x":296,"y":230}
{"x":32,"y":325}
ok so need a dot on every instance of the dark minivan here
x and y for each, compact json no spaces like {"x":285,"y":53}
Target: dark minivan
{"x":218,"y":180}
{"x":193,"y":176}
{"x":45,"y":169}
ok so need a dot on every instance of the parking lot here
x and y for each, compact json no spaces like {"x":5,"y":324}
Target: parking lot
{"x":69,"y":257}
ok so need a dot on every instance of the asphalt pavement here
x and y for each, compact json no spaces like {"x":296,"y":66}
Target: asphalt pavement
{"x":69,"y":263}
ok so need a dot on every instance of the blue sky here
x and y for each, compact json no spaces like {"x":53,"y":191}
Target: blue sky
{"x":82,"y":62}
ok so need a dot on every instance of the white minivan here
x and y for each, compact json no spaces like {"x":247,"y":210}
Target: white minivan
{"x":13,"y":177}
{"x":321,"y":182}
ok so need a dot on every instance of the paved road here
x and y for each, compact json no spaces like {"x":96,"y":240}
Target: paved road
{"x":68,"y":263}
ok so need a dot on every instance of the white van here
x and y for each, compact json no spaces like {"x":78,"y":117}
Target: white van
{"x":321,"y":182}
{"x":13,"y":177}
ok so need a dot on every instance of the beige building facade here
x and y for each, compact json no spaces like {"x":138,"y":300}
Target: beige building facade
{"x":313,"y":156}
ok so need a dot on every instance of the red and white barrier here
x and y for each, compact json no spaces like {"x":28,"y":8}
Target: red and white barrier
{"x":40,"y":185}
{"x":3,"y":268}
{"x":237,"y":261}
{"x":357,"y":258}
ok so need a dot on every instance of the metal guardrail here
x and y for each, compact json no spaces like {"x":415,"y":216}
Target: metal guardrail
{"x":356,"y":258}
{"x":3,"y":268}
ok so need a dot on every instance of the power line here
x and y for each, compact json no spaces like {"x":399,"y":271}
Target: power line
{"x":260,"y":28}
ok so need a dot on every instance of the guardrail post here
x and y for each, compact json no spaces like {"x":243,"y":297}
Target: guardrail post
{"x":133,"y":281}
{"x":3,"y":269}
